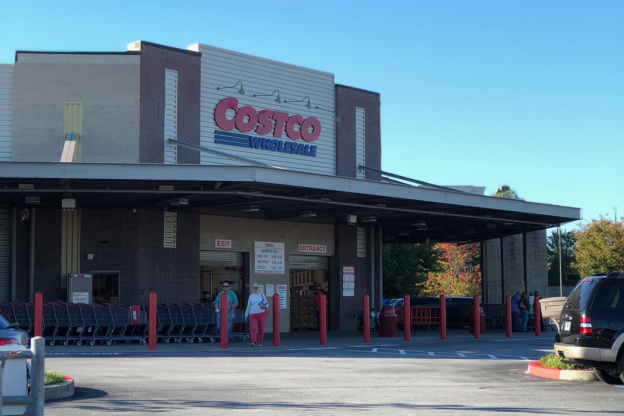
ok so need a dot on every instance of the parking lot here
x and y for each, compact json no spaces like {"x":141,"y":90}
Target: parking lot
{"x":458,"y":376}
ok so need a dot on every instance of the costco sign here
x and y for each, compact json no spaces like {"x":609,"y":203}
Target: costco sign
{"x":246,"y":119}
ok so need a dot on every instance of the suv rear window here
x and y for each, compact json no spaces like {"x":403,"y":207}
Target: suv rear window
{"x":609,"y":296}
{"x":581,"y":295}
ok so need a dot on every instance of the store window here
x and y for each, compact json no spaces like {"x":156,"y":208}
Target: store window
{"x":106,"y":287}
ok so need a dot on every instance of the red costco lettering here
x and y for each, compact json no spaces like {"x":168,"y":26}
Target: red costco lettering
{"x":247,"y":118}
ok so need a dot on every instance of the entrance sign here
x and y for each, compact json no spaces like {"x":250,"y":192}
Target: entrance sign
{"x":269,"y":258}
{"x":312,"y":248}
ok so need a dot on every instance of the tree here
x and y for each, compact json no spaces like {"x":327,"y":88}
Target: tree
{"x":460,"y":274}
{"x":567,"y":257}
{"x":406,"y":266}
{"x":506,"y":192}
{"x":599,"y":247}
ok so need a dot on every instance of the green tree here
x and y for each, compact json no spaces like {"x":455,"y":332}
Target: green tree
{"x":406,"y":266}
{"x":599,"y":247}
{"x":568,"y":273}
{"x":506,"y":192}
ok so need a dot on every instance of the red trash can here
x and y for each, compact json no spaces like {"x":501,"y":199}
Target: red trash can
{"x":471,"y":321}
{"x":388,"y":322}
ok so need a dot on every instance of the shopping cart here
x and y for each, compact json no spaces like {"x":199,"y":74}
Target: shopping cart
{"x":206,"y":321}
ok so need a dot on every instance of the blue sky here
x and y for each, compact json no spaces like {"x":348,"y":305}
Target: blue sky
{"x":528,"y":94}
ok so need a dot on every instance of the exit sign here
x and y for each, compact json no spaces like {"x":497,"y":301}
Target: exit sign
{"x":223,"y":243}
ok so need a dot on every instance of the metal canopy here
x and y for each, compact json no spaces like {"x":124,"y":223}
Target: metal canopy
{"x":406,"y":213}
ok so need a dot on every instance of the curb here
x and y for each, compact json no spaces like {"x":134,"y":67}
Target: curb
{"x":539,"y":371}
{"x":62,"y":390}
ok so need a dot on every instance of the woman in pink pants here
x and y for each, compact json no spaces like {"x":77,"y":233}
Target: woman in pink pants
{"x":256,"y":313}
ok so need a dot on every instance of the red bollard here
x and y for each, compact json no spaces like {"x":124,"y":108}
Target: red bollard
{"x":442,"y":317}
{"x":38,"y":329}
{"x":407,"y":323}
{"x":276,"y":321}
{"x":508,"y":315}
{"x":224,"y":321}
{"x":151,"y":329}
{"x":322,"y":319}
{"x":366,"y":318}
{"x":537,"y":312}
{"x":476,"y":316}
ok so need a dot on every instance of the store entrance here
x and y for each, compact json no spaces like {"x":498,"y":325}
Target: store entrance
{"x":213,"y":277}
{"x":308,"y":277}
{"x":217,"y":267}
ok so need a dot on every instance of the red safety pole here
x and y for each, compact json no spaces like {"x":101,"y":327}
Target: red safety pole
{"x":276,"y":322}
{"x":322,"y":319}
{"x":366,"y":317}
{"x":538,"y":316}
{"x":407,"y":322}
{"x":151,"y":328}
{"x":508,"y":315}
{"x":38,"y":330}
{"x":442,"y":317}
{"x":475,"y":316}
{"x":225,"y":310}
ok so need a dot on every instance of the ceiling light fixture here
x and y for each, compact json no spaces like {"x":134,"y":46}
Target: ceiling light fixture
{"x":370,"y":218}
{"x":32,"y":200}
{"x":307,"y":214}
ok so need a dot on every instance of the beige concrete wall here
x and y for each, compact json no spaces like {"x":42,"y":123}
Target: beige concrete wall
{"x":244,"y":232}
{"x":495,"y":288}
{"x":107,"y":85}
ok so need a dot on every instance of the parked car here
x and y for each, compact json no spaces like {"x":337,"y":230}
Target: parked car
{"x":10,"y":334}
{"x":592,"y":326}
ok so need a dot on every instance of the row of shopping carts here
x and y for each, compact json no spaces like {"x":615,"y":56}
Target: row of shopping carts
{"x":90,"y":324}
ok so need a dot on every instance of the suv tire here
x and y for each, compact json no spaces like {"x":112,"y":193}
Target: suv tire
{"x":609,"y":376}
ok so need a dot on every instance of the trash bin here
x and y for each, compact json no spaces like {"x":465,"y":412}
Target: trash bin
{"x":471,"y":321}
{"x":388,"y":322}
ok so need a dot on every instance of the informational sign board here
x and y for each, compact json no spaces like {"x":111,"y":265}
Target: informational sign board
{"x":80,"y":297}
{"x":348,"y":280}
{"x":135,"y":314}
{"x":281,"y":291}
{"x":270,"y":290}
{"x":269,"y":258}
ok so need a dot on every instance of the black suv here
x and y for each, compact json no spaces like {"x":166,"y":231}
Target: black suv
{"x":592,"y":326}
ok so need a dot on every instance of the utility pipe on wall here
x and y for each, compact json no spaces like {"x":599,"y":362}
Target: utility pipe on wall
{"x":31,"y":262}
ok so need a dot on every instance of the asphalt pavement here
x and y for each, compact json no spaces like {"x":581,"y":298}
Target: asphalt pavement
{"x":461,"y":375}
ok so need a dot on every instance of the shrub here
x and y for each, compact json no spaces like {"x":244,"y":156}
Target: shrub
{"x":554,"y":361}
{"x":51,"y":377}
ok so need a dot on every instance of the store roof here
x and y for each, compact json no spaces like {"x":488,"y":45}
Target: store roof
{"x":406,"y":213}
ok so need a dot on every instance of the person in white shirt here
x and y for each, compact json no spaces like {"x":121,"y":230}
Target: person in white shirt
{"x":256,"y":313}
